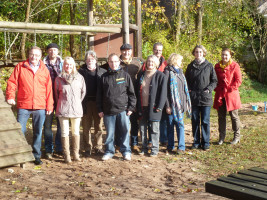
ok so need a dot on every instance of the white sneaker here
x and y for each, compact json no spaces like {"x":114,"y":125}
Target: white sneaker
{"x":106,"y":157}
{"x":127,"y":157}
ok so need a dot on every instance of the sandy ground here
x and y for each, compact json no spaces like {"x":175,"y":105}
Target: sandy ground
{"x":163,"y":177}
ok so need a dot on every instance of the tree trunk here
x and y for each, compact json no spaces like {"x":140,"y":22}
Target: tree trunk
{"x":178,"y":21}
{"x":59,"y":11}
{"x":199,"y":20}
{"x":23,"y":40}
{"x":72,"y":22}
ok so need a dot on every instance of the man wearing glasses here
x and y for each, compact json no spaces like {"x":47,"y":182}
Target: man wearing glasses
{"x":115,"y":103}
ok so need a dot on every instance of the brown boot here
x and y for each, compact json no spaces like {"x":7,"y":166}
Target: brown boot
{"x":76,"y":147}
{"x":66,"y":148}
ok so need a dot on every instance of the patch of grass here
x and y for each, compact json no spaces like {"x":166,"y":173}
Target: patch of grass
{"x":227,"y":158}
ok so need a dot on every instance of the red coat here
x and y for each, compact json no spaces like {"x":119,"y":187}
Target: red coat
{"x":229,"y":80}
{"x":34,"y":90}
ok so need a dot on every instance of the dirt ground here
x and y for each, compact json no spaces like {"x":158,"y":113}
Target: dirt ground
{"x":163,"y":177}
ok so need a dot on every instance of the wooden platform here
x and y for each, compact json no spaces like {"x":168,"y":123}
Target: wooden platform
{"x":248,"y":184}
{"x":14,"y":148}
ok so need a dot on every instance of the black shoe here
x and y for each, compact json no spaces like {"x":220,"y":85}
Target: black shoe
{"x":99,"y":151}
{"x":206,"y":148}
{"x":87,"y":153}
{"x":194,"y":147}
{"x":38,"y":161}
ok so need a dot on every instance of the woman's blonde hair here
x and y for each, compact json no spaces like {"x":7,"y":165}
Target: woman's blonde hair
{"x":173,"y":59}
{"x":71,"y":60}
{"x":155,"y":60}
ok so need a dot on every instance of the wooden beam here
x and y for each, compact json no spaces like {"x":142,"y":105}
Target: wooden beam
{"x":138,"y":19}
{"x":131,"y":26}
{"x":45,"y":31}
{"x":90,"y":22}
{"x":58,"y":27}
{"x":125,"y":21}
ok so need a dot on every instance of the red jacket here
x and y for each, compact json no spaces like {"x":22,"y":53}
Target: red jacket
{"x":229,"y":80}
{"x":34,"y":90}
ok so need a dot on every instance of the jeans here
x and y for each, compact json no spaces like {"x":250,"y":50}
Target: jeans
{"x":180,"y":133}
{"x":38,"y":118}
{"x":202,"y":112}
{"x":48,"y":135}
{"x":151,"y":127}
{"x":163,"y":127}
{"x":122,"y":121}
{"x":75,"y":126}
{"x":134,"y":129}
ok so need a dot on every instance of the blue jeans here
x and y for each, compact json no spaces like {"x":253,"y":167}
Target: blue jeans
{"x":48,"y":135}
{"x":202,"y":112}
{"x":122,"y":121}
{"x":38,"y":118}
{"x":180,"y":133}
{"x":163,"y":127}
{"x":134,"y":129}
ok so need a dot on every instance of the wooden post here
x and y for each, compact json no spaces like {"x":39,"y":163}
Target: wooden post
{"x":125,"y":21}
{"x":90,"y":21}
{"x":138,"y":19}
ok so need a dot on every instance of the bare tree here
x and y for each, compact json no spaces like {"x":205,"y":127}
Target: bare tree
{"x":23,"y":40}
{"x":198,"y":19}
{"x":178,"y":20}
{"x":72,"y":22}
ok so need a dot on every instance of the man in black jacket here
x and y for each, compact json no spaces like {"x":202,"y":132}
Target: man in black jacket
{"x":115,"y":102}
{"x":92,"y":74}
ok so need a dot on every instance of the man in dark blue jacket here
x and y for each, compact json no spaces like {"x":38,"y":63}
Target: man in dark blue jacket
{"x":115,"y":102}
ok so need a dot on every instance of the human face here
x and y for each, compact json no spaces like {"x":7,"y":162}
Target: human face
{"x":199,"y":54}
{"x":68,"y":66}
{"x":114,"y":62}
{"x":179,"y":62}
{"x":35,"y":56}
{"x":52,"y":53}
{"x":150,"y":64}
{"x":157,"y":51}
{"x":90,"y":62}
{"x":226,"y":56}
{"x":126,"y":54}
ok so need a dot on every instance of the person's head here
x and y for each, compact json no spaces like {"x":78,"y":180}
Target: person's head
{"x":199,"y":52}
{"x":35,"y":54}
{"x":157,"y":49}
{"x":69,"y":65}
{"x":152,"y":62}
{"x":114,"y":61}
{"x":90,"y":59}
{"x":175,"y":60}
{"x":126,"y":51}
{"x":226,"y":55}
{"x":52,"y":50}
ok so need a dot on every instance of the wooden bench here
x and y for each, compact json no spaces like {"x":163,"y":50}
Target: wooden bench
{"x":248,"y":184}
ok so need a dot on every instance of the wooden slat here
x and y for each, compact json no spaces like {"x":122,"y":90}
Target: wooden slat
{"x":250,"y":178}
{"x":233,"y":191}
{"x":16,"y":159}
{"x":257,"y":169}
{"x":15,"y":150}
{"x":253,"y":173}
{"x":244,"y":183}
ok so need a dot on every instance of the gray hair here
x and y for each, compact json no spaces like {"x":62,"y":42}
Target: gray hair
{"x":157,"y":44}
{"x":155,"y":60}
{"x":90,"y":53}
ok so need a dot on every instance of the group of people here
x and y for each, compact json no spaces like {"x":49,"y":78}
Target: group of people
{"x":128,"y":95}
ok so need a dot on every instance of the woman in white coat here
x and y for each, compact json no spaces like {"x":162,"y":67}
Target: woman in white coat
{"x":70,"y":90}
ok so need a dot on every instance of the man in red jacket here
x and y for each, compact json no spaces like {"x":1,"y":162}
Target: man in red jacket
{"x":35,"y":96}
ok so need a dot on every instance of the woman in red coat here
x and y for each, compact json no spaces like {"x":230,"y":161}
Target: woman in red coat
{"x":227,"y":96}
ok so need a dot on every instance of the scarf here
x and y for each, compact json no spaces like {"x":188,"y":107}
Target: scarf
{"x":69,"y":77}
{"x":222,"y":66}
{"x":197,"y":63}
{"x":176,"y":100}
